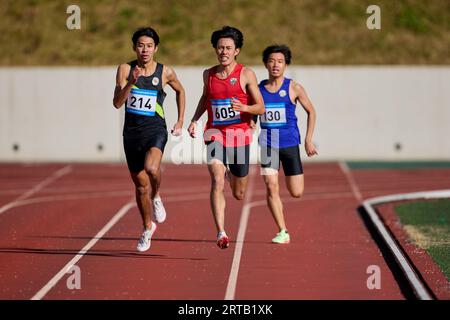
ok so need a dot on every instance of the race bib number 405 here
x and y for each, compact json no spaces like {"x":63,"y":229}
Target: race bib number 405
{"x":142,"y":102}
{"x":223,"y":113}
{"x":275,"y":116}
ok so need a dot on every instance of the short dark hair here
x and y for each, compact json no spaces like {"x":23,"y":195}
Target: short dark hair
{"x":146,"y":31}
{"x":284,"y":49}
{"x":228,"y":32}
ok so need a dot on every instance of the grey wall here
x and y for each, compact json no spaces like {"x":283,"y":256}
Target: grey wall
{"x":64,"y":114}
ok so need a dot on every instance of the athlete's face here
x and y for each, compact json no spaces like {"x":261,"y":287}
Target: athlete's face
{"x":276,"y":64}
{"x":226,"y":51}
{"x":145,"y":48}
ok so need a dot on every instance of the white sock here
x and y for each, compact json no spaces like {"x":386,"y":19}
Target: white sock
{"x":221,"y":233}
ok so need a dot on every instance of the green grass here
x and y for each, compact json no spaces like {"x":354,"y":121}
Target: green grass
{"x":428,"y":224}
{"x":329,"y":32}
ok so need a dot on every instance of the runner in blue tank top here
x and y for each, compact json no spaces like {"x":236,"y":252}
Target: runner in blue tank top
{"x":280,"y":136}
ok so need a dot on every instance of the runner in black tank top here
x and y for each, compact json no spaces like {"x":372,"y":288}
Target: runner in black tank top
{"x":145,"y":126}
{"x":136,"y":124}
{"x":139,"y":85}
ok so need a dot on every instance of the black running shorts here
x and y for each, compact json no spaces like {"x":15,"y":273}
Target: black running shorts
{"x":237,"y":158}
{"x":289,"y":157}
{"x":136,"y":148}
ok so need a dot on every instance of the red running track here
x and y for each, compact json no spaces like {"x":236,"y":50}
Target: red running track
{"x":48,"y":213}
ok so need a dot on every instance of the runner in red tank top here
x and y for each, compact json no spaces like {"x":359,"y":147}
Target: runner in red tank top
{"x":233,"y":125}
{"x":231,"y":96}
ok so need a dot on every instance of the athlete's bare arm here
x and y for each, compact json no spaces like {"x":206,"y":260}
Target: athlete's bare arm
{"x":170,"y":77}
{"x":300,"y":95}
{"x":123,"y":86}
{"x":250,"y":84}
{"x":201,"y":107}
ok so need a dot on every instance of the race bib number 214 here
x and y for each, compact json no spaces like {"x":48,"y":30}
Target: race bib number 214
{"x":142,"y":102}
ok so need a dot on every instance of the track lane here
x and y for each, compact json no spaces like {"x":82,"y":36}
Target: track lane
{"x":183,"y":262}
{"x":37,"y":239}
{"x":329,"y":252}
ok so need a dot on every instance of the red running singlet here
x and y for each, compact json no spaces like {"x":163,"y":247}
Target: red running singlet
{"x":229,"y":127}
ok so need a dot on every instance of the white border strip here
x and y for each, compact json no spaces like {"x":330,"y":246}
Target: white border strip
{"x":119,"y":214}
{"x":351,"y":180}
{"x":245,"y":214}
{"x":53,"y":281}
{"x":57,"y":174}
{"x":369,"y":204}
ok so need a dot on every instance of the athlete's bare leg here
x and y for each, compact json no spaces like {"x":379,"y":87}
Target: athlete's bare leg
{"x":295,"y":185}
{"x":141,"y":181}
{"x":153,"y":169}
{"x":238,"y":186}
{"x":217,"y":198}
{"x":150,"y":176}
{"x":273,"y":198}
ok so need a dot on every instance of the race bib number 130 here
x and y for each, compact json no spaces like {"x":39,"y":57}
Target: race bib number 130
{"x":223,"y":112}
{"x":142,"y":102}
{"x":275,"y":116}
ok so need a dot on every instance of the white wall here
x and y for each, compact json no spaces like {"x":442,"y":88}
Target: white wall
{"x":58,"y":114}
{"x":63,"y":114}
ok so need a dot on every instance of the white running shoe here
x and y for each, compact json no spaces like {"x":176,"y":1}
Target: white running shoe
{"x":159,"y":213}
{"x":146,"y":239}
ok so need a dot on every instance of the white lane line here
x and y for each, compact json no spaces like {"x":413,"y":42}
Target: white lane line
{"x":245,"y":213}
{"x":185,"y":197}
{"x":59,"y":173}
{"x":80,"y":196}
{"x":45,"y":289}
{"x":351,"y":180}
{"x":119,"y":187}
{"x":41,"y":293}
